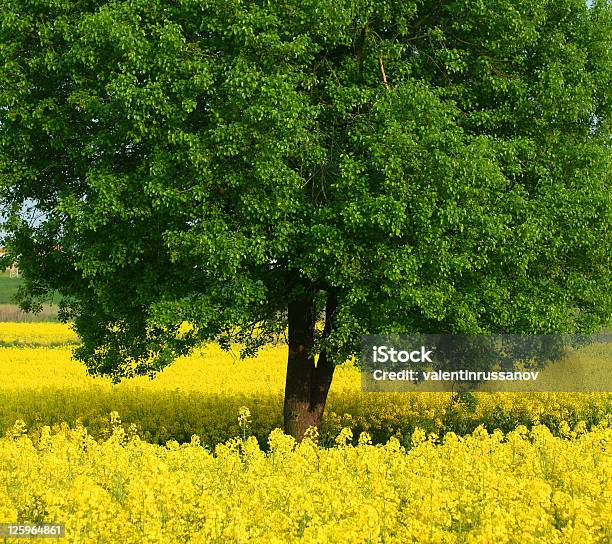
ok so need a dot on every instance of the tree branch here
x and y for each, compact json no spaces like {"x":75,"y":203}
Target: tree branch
{"x":382,"y":71}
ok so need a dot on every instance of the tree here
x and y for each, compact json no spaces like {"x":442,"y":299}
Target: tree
{"x":222,"y":170}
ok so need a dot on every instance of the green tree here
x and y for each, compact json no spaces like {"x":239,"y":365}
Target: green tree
{"x":434,"y":166}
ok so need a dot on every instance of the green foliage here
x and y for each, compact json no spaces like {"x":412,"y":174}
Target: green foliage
{"x":437,"y":166}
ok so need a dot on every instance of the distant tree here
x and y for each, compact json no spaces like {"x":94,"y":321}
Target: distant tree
{"x":433,"y":166}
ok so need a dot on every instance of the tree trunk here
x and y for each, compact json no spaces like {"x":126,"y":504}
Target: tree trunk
{"x":307,"y":384}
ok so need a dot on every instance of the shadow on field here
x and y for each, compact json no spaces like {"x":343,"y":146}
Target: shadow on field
{"x":160,"y":416}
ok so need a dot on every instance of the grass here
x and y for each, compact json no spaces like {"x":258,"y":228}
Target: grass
{"x":9,"y":311}
{"x":8,"y":288}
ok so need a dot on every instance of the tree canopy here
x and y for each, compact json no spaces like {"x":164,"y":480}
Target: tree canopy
{"x":427,"y":165}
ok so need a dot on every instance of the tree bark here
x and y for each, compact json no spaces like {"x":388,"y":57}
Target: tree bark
{"x":307,"y":384}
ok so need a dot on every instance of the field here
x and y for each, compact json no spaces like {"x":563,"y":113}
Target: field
{"x":195,"y":455}
{"x":9,"y":311}
{"x":8,"y":287}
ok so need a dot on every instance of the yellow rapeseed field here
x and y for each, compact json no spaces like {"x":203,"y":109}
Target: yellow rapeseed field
{"x":201,"y":394}
{"x":199,"y":457}
{"x":41,"y":334}
{"x":523,"y":487}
